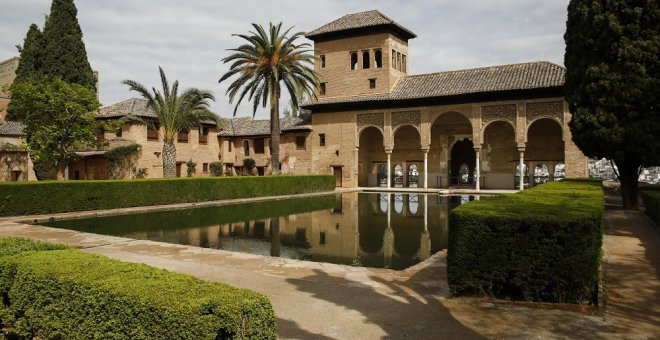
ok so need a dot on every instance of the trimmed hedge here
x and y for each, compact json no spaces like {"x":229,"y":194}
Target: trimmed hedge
{"x":652,"y":204}
{"x":68,"y":294}
{"x":542,"y":244}
{"x":27,"y":198}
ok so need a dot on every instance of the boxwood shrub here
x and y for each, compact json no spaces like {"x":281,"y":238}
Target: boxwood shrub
{"x":68,"y":294}
{"x":26,"y":198}
{"x":542,"y":244}
{"x":652,"y":205}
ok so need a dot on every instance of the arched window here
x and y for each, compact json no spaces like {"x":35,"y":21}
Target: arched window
{"x":383,"y":201}
{"x":246,"y":148}
{"x":354,"y":60}
{"x":398,"y":203}
{"x":413,"y":176}
{"x":541,"y":174}
{"x":525,"y":175}
{"x":464,"y":174}
{"x":413,"y":203}
{"x":382,"y":175}
{"x":378,"y":56}
{"x":398,"y":176}
{"x":365,"y":60}
{"x":560,"y":172}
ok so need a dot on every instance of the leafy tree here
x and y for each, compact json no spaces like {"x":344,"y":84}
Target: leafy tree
{"x":175,"y":112}
{"x":612,"y":85}
{"x":265,"y":61}
{"x":58,"y":118}
{"x":32,"y":53}
{"x":65,"y":55}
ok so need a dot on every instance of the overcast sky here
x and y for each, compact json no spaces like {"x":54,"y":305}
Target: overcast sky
{"x":128,"y":39}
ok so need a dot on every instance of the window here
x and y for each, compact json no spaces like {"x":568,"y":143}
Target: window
{"x":152,"y":131}
{"x":378,"y":56}
{"x":322,"y":89}
{"x":322,"y":238}
{"x":203,"y":135}
{"x":322,"y":139}
{"x":403,"y":63}
{"x":118,"y":132}
{"x":365,"y":60}
{"x":322,"y":61}
{"x":259,"y":145}
{"x":246,"y":148}
{"x":354,"y":61}
{"x":205,"y":167}
{"x":393,"y":59}
{"x":182,"y":137}
{"x":372,"y":83}
{"x":300,"y":142}
{"x":398,"y":61}
{"x":229,"y":143}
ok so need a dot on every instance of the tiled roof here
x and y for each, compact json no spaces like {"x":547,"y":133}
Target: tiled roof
{"x":354,"y":21}
{"x":10,"y":128}
{"x":246,"y":126}
{"x":133,"y":106}
{"x":526,"y":76}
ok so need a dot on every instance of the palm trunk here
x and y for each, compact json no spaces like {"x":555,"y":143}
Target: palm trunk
{"x":169,"y":160}
{"x":275,"y":130}
{"x":628,"y":176}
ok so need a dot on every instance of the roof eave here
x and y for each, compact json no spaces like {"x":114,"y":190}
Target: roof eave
{"x":351,"y":32}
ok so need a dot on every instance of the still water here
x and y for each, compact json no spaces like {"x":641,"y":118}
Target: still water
{"x":361,"y":229}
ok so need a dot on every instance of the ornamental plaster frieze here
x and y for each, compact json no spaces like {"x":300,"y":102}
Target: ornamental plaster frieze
{"x":553,"y":110}
{"x":413,"y":118}
{"x":491,"y":113}
{"x":363,"y":120}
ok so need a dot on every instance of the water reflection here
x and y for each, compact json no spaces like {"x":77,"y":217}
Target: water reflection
{"x":374,"y":230}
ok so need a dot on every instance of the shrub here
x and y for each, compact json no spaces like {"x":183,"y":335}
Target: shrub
{"x":542,"y":244}
{"x":190,"y":168}
{"x":25,"y":198}
{"x":216,"y":169}
{"x":652,"y":205}
{"x":248,"y":167}
{"x":74,"y":295}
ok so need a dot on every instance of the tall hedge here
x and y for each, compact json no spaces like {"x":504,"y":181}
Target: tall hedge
{"x":26,"y":198}
{"x":68,"y":294}
{"x":542,"y":244}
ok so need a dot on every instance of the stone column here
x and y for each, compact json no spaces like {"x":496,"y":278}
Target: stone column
{"x":426,"y":212}
{"x":522,"y":169}
{"x":426,"y":168}
{"x":477,"y":170}
{"x":389,"y":168}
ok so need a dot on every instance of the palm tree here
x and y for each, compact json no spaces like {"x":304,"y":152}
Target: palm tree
{"x":175,"y":112}
{"x":266,"y":60}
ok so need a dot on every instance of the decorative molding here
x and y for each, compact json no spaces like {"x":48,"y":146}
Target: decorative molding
{"x":413,"y":118}
{"x":553,"y":110}
{"x":491,"y":113}
{"x":363,"y":120}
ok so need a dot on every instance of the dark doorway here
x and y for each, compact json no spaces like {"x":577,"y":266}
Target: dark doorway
{"x":336,"y":170}
{"x":178,"y":169}
{"x":462,"y":155}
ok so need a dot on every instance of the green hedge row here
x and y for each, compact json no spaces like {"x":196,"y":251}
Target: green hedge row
{"x":652,"y":204}
{"x":26,"y":198}
{"x":542,"y":244}
{"x":68,"y":294}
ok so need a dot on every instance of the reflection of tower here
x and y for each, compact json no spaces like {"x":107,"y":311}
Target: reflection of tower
{"x":388,"y":237}
{"x":275,"y":242}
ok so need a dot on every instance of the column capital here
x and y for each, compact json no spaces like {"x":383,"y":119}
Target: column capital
{"x":521,"y":147}
{"x":388,"y":150}
{"x":426,"y":150}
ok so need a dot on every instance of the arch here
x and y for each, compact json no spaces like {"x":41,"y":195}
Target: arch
{"x":462,"y":163}
{"x":530,"y":123}
{"x":508,"y":122}
{"x":371,"y":155}
{"x":413,"y":176}
{"x":397,"y":176}
{"x":362,"y":130}
{"x":541,"y":174}
{"x":398,"y":127}
{"x":444,"y":129}
{"x":498,"y":153}
{"x":451,"y":113}
{"x":544,"y":142}
{"x":559,"y":172}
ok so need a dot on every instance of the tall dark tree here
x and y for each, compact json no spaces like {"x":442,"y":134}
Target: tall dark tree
{"x":65,"y":55}
{"x":612,"y":86}
{"x":30,"y":62}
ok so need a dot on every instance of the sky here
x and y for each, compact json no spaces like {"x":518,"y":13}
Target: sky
{"x":128,"y":39}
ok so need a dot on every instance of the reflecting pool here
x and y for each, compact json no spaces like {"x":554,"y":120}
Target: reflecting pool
{"x":362,"y":229}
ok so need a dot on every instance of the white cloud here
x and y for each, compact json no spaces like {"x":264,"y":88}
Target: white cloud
{"x":129,"y":39}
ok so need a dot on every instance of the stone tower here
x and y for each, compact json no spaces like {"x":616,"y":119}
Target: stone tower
{"x":360,"y":54}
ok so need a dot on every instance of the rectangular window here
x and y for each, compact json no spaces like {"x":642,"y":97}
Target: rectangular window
{"x":322,"y":89}
{"x":182,"y":137}
{"x":259,"y":145}
{"x":322,"y":61}
{"x":300,"y":142}
{"x":398,"y":61}
{"x":203,"y":135}
{"x":205,"y":168}
{"x":403,"y":63}
{"x":378,"y":56}
{"x":229,"y":143}
{"x":118,"y":132}
{"x":152,"y":131}
{"x":372,"y":83}
{"x":365,"y":60}
{"x":322,"y":139}
{"x":394,"y":59}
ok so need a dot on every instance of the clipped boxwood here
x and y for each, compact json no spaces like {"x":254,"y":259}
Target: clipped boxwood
{"x":542,"y":244}
{"x":68,"y":294}
{"x":27,"y":198}
{"x":652,"y":205}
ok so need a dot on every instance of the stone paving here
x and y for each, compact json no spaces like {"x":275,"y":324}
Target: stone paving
{"x":328,"y":301}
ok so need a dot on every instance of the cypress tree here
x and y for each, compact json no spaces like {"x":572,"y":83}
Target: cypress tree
{"x":613,"y":85}
{"x":65,"y":55}
{"x":30,"y":62}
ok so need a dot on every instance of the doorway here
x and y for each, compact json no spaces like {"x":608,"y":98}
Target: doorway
{"x":336,"y":170}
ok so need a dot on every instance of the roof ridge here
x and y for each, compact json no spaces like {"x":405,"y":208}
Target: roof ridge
{"x":484,"y":68}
